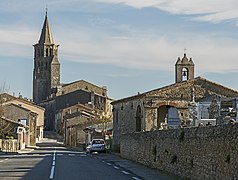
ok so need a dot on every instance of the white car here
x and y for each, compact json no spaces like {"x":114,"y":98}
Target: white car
{"x":96,"y":145}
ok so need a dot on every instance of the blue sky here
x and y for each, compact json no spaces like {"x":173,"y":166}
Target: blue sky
{"x":130,"y":46}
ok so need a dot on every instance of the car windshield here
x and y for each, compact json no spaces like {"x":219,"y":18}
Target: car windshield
{"x":98,"y":142}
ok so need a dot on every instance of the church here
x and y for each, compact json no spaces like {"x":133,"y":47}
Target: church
{"x":188,"y":102}
{"x":63,"y":102}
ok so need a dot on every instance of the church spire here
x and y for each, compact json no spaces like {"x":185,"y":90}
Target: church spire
{"x":46,"y":36}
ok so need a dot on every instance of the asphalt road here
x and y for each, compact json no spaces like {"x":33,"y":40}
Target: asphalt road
{"x":53,"y":161}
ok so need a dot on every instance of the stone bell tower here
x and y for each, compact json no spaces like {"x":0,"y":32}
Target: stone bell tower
{"x":46,"y":73}
{"x":184,"y":69}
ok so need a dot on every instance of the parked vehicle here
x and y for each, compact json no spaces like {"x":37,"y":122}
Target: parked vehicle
{"x":96,"y":145}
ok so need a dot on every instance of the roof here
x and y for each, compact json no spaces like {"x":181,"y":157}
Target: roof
{"x":64,"y":85}
{"x":184,"y":61}
{"x":10,"y":98}
{"x":195,"y":81}
{"x":14,"y":122}
{"x":20,"y":107}
{"x":46,"y":36}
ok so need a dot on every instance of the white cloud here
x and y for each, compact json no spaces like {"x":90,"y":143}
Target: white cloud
{"x":139,"y":50}
{"x":133,"y":48}
{"x":149,"y":51}
{"x":205,"y":10}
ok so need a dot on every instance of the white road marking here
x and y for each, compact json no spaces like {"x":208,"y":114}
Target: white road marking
{"x":59,"y":154}
{"x":136,"y":178}
{"x":116,"y":167}
{"x":52,"y":172}
{"x":53,"y":166}
{"x":124,"y":172}
{"x":71,"y":154}
{"x":109,"y":164}
{"x":1,"y":161}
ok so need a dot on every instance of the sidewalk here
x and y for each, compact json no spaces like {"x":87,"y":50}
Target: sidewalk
{"x":27,"y":150}
{"x":22,"y":151}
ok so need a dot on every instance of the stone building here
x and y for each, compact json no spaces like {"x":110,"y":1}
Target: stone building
{"x":181,"y":104}
{"x":23,"y":111}
{"x":46,"y":73}
{"x":57,"y":97}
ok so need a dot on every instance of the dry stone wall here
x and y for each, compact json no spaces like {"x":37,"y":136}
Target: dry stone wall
{"x":195,"y":153}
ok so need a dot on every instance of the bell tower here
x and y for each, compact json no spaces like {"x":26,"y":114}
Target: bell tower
{"x":46,"y":73}
{"x":184,"y":69}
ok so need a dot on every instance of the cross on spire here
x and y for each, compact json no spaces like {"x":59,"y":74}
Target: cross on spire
{"x":46,"y":9}
{"x":185,"y":50}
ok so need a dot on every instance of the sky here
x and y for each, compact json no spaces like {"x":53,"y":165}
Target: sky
{"x":130,"y":46}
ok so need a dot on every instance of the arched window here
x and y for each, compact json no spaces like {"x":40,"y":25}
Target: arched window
{"x":138,"y":118}
{"x":47,"y":52}
{"x":184,"y":74}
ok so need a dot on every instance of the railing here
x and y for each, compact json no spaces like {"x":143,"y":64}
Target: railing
{"x":8,"y":145}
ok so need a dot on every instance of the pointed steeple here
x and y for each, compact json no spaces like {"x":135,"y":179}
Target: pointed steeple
{"x":46,"y":36}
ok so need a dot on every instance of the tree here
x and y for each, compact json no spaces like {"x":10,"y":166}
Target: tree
{"x":103,"y":117}
{"x":2,"y":90}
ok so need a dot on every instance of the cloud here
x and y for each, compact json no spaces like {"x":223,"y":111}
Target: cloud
{"x":143,"y":50}
{"x":204,"y":10}
{"x":131,"y":47}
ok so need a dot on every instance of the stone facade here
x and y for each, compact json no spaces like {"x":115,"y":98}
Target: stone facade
{"x":148,"y":111}
{"x":46,"y":73}
{"x":194,"y":153}
{"x":56,"y":105}
{"x":184,"y":69}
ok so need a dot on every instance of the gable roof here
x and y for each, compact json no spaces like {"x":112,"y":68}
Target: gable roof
{"x":8,"y":98}
{"x":84,"y":85}
{"x":209,"y":86}
{"x":81,"y":81}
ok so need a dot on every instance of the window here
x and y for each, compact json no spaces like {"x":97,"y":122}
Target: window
{"x":138,"y":118}
{"x":47,"y":52}
{"x":185,"y":74}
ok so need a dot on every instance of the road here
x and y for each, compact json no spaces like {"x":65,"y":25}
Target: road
{"x":54,"y":161}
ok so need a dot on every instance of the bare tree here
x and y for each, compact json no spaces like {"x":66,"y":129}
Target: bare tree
{"x":3,"y":89}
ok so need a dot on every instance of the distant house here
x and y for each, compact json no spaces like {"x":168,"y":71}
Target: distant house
{"x":16,"y":130}
{"x":180,"y":104}
{"x":18,"y":105}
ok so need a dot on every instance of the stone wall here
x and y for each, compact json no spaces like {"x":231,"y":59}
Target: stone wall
{"x":196,"y":153}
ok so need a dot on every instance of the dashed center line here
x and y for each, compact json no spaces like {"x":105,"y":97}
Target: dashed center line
{"x":116,"y":167}
{"x":109,"y":164}
{"x":136,"y":178}
{"x":124,"y":172}
{"x":53,"y":166}
{"x":71,"y":154}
